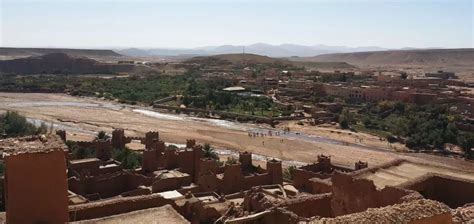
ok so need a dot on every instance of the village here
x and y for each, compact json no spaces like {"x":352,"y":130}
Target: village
{"x":189,"y":185}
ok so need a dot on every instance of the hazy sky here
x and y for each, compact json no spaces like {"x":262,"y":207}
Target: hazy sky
{"x":186,"y":23}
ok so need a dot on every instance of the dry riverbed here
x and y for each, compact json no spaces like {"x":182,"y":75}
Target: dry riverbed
{"x":83,"y":117}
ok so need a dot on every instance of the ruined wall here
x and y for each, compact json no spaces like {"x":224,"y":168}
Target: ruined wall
{"x":103,"y":150}
{"x":301,"y":179}
{"x":149,"y":160}
{"x":256,"y":180}
{"x":319,"y":186}
{"x":420,"y":211}
{"x":169,"y":160}
{"x":151,"y":138}
{"x":280,"y":216}
{"x":36,"y":187}
{"x":232,"y":180}
{"x":136,"y":192}
{"x":118,"y":139}
{"x":245,"y":158}
{"x":116,"y":206}
{"x":350,"y":195}
{"x":108,"y":185}
{"x":275,"y":171}
{"x":168,"y":184}
{"x":452,"y":191}
{"x":85,"y":167}
{"x":317,"y":205}
{"x":185,"y":161}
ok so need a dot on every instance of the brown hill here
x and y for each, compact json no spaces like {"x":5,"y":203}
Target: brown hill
{"x":59,"y":63}
{"x":26,"y":52}
{"x":223,"y":59}
{"x":423,"y":58}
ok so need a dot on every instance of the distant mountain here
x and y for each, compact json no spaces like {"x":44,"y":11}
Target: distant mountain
{"x":59,"y":63}
{"x":283,"y":50}
{"x":428,"y":57}
{"x":26,"y":52}
{"x":225,"y":59}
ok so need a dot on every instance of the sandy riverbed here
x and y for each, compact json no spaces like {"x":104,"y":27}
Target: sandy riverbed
{"x":88,"y":118}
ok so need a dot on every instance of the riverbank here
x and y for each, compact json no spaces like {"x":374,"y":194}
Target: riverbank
{"x":86,"y":116}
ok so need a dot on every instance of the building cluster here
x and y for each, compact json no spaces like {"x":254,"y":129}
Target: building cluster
{"x":294,"y":88}
{"x":181,"y":185}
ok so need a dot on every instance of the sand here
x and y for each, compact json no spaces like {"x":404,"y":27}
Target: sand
{"x":90,"y":119}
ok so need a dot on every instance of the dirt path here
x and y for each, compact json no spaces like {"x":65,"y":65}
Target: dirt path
{"x":84,"y":116}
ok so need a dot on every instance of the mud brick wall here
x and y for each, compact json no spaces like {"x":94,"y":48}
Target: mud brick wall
{"x":116,"y":206}
{"x":36,"y":187}
{"x":350,"y":195}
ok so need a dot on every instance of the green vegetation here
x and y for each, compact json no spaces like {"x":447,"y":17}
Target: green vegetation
{"x":13,"y":124}
{"x":289,"y":172}
{"x":79,"y":152}
{"x":231,"y":160}
{"x":102,"y":135}
{"x":127,"y":157}
{"x":198,"y":92}
{"x":210,"y":152}
{"x":341,"y":77}
{"x":128,"y":89}
{"x":420,"y":127}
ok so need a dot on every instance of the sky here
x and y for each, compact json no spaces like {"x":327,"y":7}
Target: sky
{"x":188,"y":24}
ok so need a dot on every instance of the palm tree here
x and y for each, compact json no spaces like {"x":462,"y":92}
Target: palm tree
{"x":210,"y":152}
{"x":101,"y":136}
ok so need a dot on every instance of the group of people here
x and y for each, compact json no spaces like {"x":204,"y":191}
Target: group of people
{"x":262,"y":134}
{"x":269,"y":133}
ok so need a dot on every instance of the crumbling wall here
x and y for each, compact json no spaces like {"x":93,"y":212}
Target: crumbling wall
{"x":232,"y":180}
{"x":350,"y":195}
{"x":256,"y":180}
{"x":301,"y":179}
{"x":207,"y":182}
{"x":167,"y":184}
{"x":103,"y":150}
{"x":150,"y":140}
{"x":116,"y":206}
{"x":149,"y":160}
{"x":317,"y":205}
{"x":185,"y":161}
{"x":421,"y":211}
{"x":320,"y":186}
{"x":454,"y":192}
{"x":108,"y":185}
{"x":245,"y":158}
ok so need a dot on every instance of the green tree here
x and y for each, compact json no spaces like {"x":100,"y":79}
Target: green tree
{"x":127,"y":157}
{"x":13,"y":124}
{"x":467,"y":143}
{"x":102,"y":135}
{"x":289,"y":172}
{"x":210,"y":152}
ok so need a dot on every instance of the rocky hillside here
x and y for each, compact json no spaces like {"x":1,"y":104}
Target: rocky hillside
{"x":432,"y":58}
{"x":235,"y":59}
{"x":59,"y":63}
{"x":26,"y":52}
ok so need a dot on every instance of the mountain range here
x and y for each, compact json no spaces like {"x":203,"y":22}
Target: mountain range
{"x":282,"y":50}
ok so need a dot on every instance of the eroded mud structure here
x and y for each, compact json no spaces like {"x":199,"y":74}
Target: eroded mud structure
{"x":186,"y":185}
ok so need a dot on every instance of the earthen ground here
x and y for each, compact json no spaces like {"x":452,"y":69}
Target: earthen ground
{"x":93,"y":119}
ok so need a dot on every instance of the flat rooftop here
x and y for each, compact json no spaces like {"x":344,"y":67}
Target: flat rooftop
{"x":164,"y":214}
{"x":31,"y":144}
{"x":407,"y":171}
{"x":86,"y":160}
{"x":170,"y":194}
{"x":164,"y":174}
